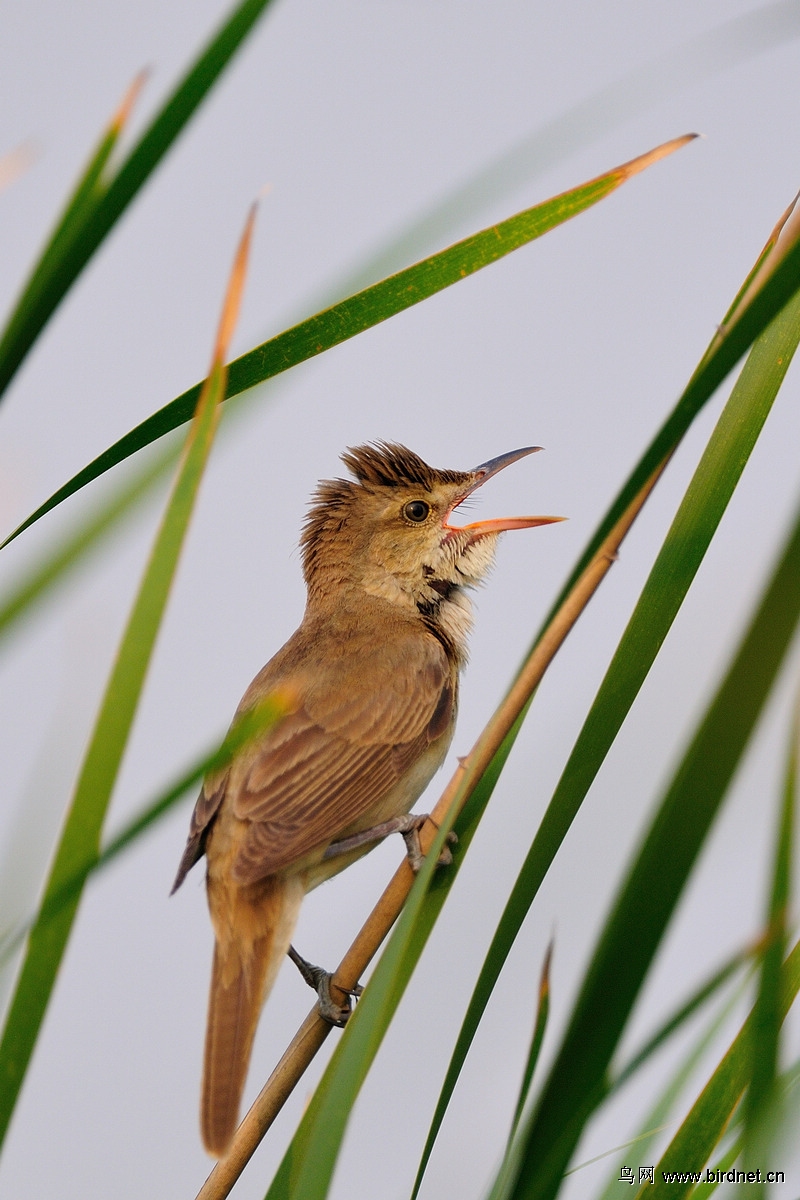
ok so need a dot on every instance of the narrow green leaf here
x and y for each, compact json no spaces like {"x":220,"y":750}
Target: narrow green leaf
{"x":715,"y":50}
{"x":759,"y":1109}
{"x":787,"y":1085}
{"x":539,"y":1027}
{"x":658,"y":1115}
{"x":81,"y":835}
{"x":720,"y":1168}
{"x":709,"y":1116}
{"x":698,"y":998}
{"x":732,"y":1135}
{"x":654,"y":1122}
{"x":683,"y":550}
{"x":648,"y":898}
{"x":360,"y":312}
{"x":508,"y":1165}
{"x":80,"y":839}
{"x":84,"y":197}
{"x":97,"y":205}
{"x":503,"y":1183}
{"x":638,"y":1141}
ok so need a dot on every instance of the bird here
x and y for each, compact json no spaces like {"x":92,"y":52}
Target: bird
{"x":373,"y":671}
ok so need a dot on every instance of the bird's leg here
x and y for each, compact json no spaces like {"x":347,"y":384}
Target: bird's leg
{"x":409,"y":826}
{"x":320,"y":981}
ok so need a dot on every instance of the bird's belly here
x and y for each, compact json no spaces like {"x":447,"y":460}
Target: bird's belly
{"x":395,"y":803}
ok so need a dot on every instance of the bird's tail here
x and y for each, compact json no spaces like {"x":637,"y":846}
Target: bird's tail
{"x":253,"y":926}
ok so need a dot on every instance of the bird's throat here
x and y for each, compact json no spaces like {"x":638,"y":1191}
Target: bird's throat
{"x":435,"y":587}
{"x":447,"y":614}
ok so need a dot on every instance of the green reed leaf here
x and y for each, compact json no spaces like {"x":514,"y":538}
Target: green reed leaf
{"x":760,"y":1108}
{"x":683,"y":550}
{"x":709,"y":1116}
{"x":99,"y":200}
{"x":363,"y":311}
{"x":655,"y":883}
{"x":80,"y":838}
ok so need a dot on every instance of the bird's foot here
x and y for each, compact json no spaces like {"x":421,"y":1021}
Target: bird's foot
{"x":320,"y":980}
{"x":410,"y":827}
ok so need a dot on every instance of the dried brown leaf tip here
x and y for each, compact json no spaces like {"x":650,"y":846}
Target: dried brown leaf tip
{"x":544,"y":981}
{"x":783,"y":237}
{"x":120,"y":117}
{"x":784,"y":227}
{"x":628,"y":169}
{"x":233,"y":296}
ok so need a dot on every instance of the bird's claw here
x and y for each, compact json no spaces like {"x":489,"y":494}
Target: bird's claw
{"x":320,"y":980}
{"x":329,"y":1010}
{"x":414,"y":849}
{"x":445,"y":858}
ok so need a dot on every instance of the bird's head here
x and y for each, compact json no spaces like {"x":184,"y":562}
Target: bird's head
{"x":390,"y":532}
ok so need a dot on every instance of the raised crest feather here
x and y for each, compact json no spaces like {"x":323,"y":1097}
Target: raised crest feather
{"x":388,"y":464}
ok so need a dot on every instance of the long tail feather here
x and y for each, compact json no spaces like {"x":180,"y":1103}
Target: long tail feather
{"x":252,"y":939}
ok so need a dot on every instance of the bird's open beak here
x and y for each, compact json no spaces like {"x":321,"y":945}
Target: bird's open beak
{"x":498,"y":524}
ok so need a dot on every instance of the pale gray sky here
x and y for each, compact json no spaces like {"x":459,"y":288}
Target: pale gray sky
{"x":361,"y":115}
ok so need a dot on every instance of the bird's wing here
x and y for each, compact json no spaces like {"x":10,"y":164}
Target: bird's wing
{"x":331,"y":761}
{"x":209,"y":800}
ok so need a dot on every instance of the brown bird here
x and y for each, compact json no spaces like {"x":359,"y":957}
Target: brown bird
{"x":374,"y":669}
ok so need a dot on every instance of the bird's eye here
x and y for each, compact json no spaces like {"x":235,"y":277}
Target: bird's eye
{"x":416,"y":510}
